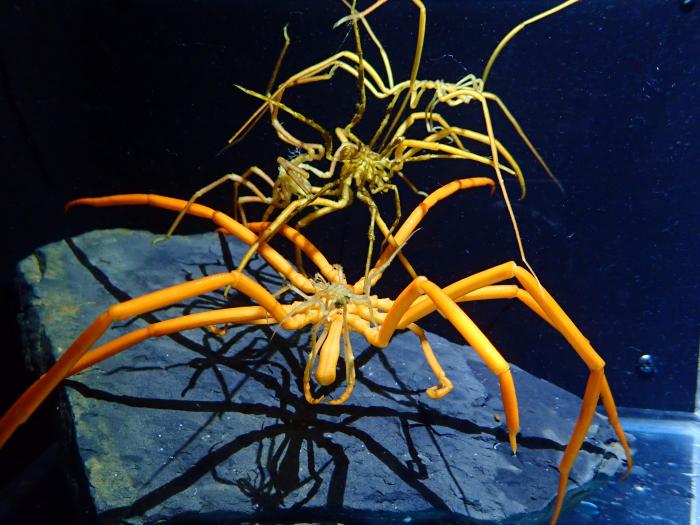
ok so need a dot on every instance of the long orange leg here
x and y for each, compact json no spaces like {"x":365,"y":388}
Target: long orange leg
{"x":394,"y":320}
{"x":445,"y":386}
{"x":236,"y":180}
{"x":362,"y":313}
{"x":237,"y":315}
{"x":532,"y":299}
{"x":597,"y":386}
{"x":328,"y":270}
{"x":42,"y":387}
{"x":508,"y":291}
{"x":233,"y":227}
{"x":416,"y":216}
{"x":512,"y":291}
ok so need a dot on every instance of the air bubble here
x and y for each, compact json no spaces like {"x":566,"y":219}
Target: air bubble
{"x":646,"y":365}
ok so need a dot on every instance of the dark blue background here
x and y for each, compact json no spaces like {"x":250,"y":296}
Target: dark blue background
{"x":114,"y":97}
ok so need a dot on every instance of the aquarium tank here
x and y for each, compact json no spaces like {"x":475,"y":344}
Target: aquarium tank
{"x":391,"y":262}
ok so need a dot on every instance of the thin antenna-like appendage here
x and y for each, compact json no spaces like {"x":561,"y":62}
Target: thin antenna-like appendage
{"x":327,"y":138}
{"x":362,"y":104}
{"x":278,"y":64}
{"x":502,"y":185}
{"x":517,"y":30}
{"x":420,"y":38}
{"x":523,"y":136}
{"x":382,"y":52}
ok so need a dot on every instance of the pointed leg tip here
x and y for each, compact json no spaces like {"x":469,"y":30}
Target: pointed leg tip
{"x":513,"y":442}
{"x":557,"y":511}
{"x":628,"y":471}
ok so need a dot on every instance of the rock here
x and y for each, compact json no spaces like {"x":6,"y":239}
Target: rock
{"x":198,"y":428}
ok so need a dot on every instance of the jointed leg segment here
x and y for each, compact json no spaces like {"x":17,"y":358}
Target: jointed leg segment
{"x":596,"y":388}
{"x":64,"y":366}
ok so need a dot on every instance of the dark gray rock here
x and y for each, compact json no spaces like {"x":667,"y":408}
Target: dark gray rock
{"x":200,"y":428}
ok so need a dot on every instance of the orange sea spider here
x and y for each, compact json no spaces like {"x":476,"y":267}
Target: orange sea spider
{"x":335,"y":308}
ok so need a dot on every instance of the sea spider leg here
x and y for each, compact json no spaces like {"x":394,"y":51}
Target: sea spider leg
{"x":257,"y":115}
{"x":501,"y":182}
{"x":451,"y":151}
{"x":380,"y":48}
{"x":231,"y":227}
{"x":427,"y":117}
{"x":410,"y":98}
{"x":419,"y":39}
{"x":42,"y":387}
{"x":279,"y":263}
{"x":453,"y":133}
{"x":445,"y":385}
{"x":512,"y":291}
{"x":319,"y":72}
{"x":232,"y":177}
{"x":464,"y":325}
{"x":414,"y":219}
{"x":540,"y":303}
{"x":309,"y":75}
{"x":516,"y":30}
{"x":596,"y":387}
{"x":316,"y":152}
{"x":519,"y":130}
{"x":237,"y":315}
{"x":305,"y":246}
{"x":295,"y":318}
{"x":361,"y":106}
